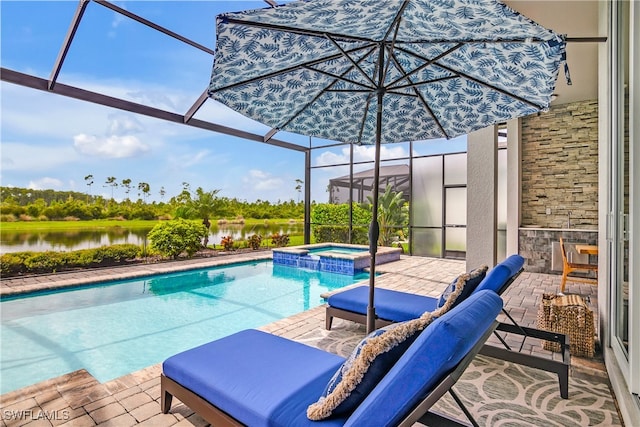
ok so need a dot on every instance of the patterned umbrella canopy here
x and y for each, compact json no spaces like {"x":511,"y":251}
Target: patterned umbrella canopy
{"x":376,"y":71}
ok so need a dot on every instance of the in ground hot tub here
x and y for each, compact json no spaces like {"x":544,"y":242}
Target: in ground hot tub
{"x":333,"y":257}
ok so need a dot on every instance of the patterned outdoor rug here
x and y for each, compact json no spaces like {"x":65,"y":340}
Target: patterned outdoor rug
{"x":499,"y":393}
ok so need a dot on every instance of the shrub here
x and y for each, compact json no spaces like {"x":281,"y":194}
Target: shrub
{"x":174,"y":237}
{"x":8,"y":218}
{"x":331,"y":223}
{"x":255,"y":241}
{"x":340,"y":234}
{"x":81,"y":258}
{"x":12,"y":264}
{"x":279,"y":240}
{"x":227,"y":243}
{"x":115,"y":253}
{"x":45,"y":262}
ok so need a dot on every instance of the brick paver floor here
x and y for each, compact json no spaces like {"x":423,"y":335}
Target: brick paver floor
{"x":78,"y":399}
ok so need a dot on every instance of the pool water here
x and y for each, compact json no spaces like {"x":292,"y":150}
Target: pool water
{"x":117,"y":328}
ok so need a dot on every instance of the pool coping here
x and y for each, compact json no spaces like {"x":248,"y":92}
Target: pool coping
{"x":48,"y":282}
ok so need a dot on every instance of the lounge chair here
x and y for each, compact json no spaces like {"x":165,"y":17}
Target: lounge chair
{"x":258,"y":379}
{"x":395,"y":306}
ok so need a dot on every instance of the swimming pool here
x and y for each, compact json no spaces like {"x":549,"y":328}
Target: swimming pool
{"x":116,"y":328}
{"x":339,"y":250}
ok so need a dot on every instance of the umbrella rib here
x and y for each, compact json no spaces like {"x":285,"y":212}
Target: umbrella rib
{"x":355,"y":65}
{"x":480,"y":82}
{"x":327,"y":89}
{"x":350,"y":90}
{"x":424,"y":82}
{"x":421,"y":98}
{"x":423,"y":66}
{"x":328,"y":74}
{"x":287,"y":70}
{"x":348,"y":37}
{"x":396,"y":25}
{"x":297,"y":30}
{"x":396,"y":19}
{"x":490,"y":86}
{"x":374,"y":90}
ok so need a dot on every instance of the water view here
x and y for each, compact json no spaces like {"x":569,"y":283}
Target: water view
{"x":69,"y":240}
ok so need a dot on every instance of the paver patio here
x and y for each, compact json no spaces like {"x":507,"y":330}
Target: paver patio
{"x":78,"y":399}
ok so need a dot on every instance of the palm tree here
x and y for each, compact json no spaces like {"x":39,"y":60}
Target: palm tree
{"x":89,"y":180}
{"x":111,"y":181}
{"x":204,"y":205}
{"x":392,"y":213}
{"x":126,"y":183}
{"x":299,"y":187}
{"x":145,"y":189}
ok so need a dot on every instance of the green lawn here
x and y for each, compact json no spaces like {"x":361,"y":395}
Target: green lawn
{"x":103,"y":223}
{"x":73,"y":225}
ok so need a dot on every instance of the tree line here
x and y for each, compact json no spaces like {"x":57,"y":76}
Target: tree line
{"x":28,"y":204}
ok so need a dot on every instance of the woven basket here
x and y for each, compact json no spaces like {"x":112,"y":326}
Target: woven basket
{"x":568,"y":315}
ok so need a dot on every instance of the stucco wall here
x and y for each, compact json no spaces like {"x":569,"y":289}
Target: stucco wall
{"x":560,"y":167}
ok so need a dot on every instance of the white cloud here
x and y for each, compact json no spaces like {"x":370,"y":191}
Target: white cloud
{"x":156,"y":98}
{"x":115,"y":23}
{"x":261,"y":181}
{"x":180,"y":162}
{"x":361,"y":153}
{"x":45,"y":183}
{"x":123,"y":124}
{"x":110,"y":147}
{"x":214,"y":111}
{"x":118,"y":142}
{"x":192,"y":160}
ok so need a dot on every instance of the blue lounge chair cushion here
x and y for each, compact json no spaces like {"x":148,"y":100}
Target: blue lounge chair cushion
{"x":399,"y":306}
{"x":475,"y":276}
{"x":259,"y":378}
{"x":390,"y":305}
{"x":265,"y":380}
{"x":498,"y":278}
{"x":435,"y":352}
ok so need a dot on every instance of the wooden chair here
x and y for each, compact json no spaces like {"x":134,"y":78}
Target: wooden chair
{"x":570,"y":267}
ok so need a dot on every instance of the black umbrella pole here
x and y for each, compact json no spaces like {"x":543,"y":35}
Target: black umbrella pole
{"x":374,"y":232}
{"x":374,"y":228}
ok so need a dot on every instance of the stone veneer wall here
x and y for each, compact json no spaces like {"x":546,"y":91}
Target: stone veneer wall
{"x":560,"y":167}
{"x":535,"y":246}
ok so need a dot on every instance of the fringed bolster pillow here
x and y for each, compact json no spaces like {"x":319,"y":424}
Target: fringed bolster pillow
{"x":374,"y":356}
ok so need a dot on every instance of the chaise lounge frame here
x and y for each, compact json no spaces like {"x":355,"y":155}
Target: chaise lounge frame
{"x":420,"y":413}
{"x":559,"y":367}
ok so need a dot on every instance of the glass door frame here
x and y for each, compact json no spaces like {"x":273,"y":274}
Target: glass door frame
{"x":618,"y":226}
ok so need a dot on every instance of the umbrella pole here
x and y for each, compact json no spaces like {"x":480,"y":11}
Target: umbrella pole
{"x":374,"y":227}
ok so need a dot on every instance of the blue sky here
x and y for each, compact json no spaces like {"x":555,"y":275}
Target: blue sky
{"x":49,"y":141}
